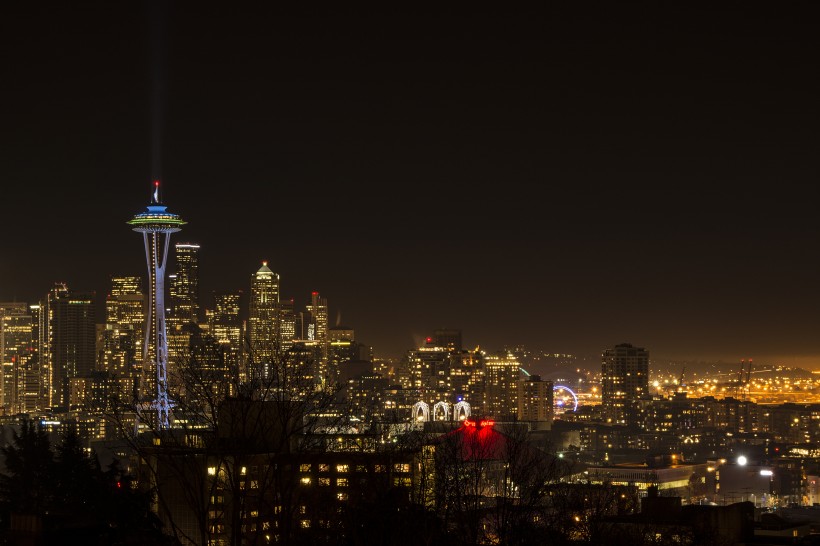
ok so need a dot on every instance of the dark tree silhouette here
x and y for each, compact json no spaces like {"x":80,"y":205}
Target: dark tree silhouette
{"x":61,"y":495}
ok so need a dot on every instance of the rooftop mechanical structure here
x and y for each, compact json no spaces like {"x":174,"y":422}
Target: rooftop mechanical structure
{"x":156,"y":225}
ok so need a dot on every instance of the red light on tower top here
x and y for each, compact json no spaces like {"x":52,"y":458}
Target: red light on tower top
{"x":155,"y":193}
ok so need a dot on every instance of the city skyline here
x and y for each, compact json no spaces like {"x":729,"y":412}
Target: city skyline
{"x":560,"y":179}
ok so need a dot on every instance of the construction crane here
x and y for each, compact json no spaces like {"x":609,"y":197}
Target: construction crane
{"x":739,"y":382}
{"x":748,"y":377}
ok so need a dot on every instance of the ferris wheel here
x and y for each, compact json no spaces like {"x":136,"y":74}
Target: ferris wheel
{"x":563,"y":399}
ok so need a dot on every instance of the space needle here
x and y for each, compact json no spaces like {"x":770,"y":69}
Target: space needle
{"x":156,"y":225}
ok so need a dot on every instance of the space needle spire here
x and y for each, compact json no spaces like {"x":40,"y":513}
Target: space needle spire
{"x":156,"y":225}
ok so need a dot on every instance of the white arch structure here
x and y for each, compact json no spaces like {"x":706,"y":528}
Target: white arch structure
{"x":442,"y":411}
{"x":445,"y":409}
{"x":424,"y":409}
{"x":461,"y":408}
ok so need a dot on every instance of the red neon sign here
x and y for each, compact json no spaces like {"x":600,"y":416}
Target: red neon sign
{"x":480,"y":424}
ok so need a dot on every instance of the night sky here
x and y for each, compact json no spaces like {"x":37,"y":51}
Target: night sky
{"x":568,"y":176}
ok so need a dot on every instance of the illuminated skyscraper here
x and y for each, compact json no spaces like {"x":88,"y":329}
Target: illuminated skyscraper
{"x":343,"y":348}
{"x":122,"y":336}
{"x":68,"y":341}
{"x":502,"y":372}
{"x":263,"y":317}
{"x":428,"y":371}
{"x":317,"y":322}
{"x":535,"y":399}
{"x":15,"y":345}
{"x":225,"y":324}
{"x":286,"y":317}
{"x":184,"y":302}
{"x":156,"y":225}
{"x":624,"y":379}
{"x":185,"y":285}
{"x":317,"y":331}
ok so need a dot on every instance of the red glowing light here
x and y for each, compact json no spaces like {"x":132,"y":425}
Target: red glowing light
{"x":479,"y":424}
{"x":429,"y":339}
{"x":315,"y":293}
{"x":119,"y":485}
{"x":156,"y":182}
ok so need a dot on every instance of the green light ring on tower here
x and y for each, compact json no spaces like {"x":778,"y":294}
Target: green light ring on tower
{"x":157,"y":220}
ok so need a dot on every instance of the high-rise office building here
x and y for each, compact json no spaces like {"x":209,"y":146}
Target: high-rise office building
{"x":343,"y":349}
{"x":442,"y":371}
{"x":184,"y":289}
{"x":156,"y":225}
{"x":184,"y":304}
{"x":286,"y":316}
{"x":225,"y":327}
{"x":263,"y":324}
{"x":428,"y":371}
{"x":535,"y":402}
{"x":448,"y":337}
{"x":624,"y":379}
{"x":68,"y":341}
{"x":225,"y":324}
{"x":314,"y":328}
{"x":122,"y":338}
{"x":15,"y":349}
{"x":467,"y":378}
{"x":31,"y":392}
{"x":502,"y":372}
{"x":316,"y":325}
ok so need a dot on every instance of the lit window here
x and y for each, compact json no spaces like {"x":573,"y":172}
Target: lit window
{"x":211,"y":471}
{"x":304,"y":468}
{"x":305,"y":480}
{"x":342,"y":468}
